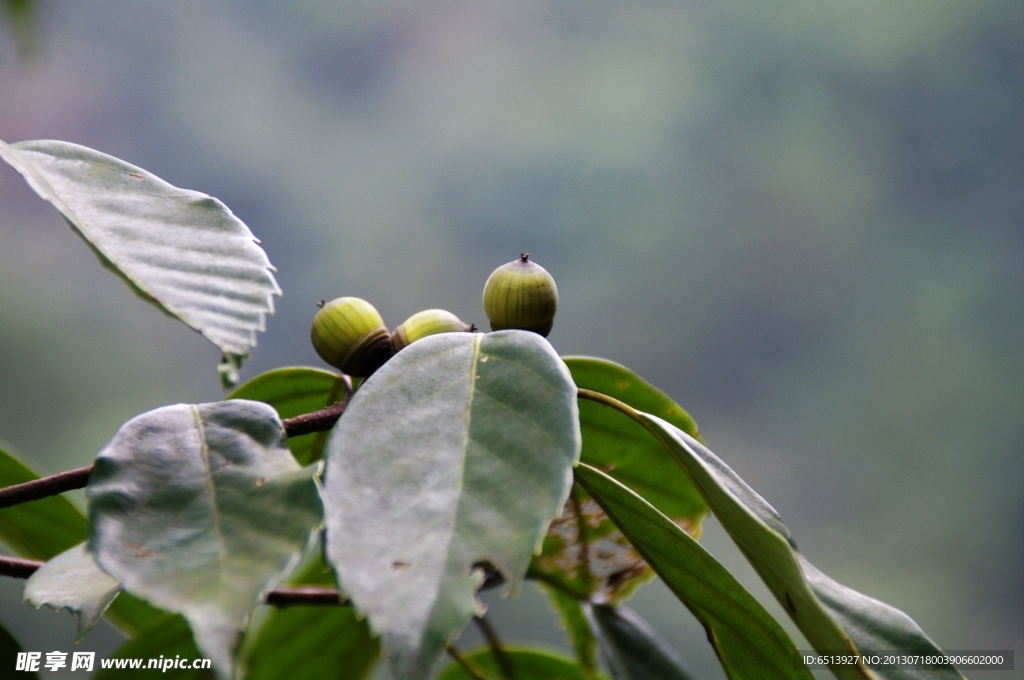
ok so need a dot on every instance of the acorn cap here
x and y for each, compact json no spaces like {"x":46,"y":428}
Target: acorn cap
{"x":521,"y":294}
{"x":427,"y":322}
{"x":349,"y":334}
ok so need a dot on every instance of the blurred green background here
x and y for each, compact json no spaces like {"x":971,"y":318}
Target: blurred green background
{"x":803,"y":220}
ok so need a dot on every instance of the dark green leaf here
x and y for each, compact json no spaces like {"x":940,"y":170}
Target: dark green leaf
{"x":614,"y":443}
{"x":633,"y":649}
{"x":181,"y":250}
{"x":42,"y":529}
{"x":832,"y":616}
{"x":73,"y":580}
{"x":529,"y":664}
{"x":293,"y":392}
{"x":458,"y":451}
{"x":300,"y":643}
{"x":316,"y":642}
{"x":748,"y":641}
{"x":9,"y":649}
{"x":170,"y":639}
{"x":201,"y":509}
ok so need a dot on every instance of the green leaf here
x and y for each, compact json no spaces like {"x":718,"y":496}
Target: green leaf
{"x":181,"y":250}
{"x":831,"y":616}
{"x":748,"y":641}
{"x":581,"y":635}
{"x":170,"y":639}
{"x":456,"y":452}
{"x":616,"y":444}
{"x":9,"y":649}
{"x":529,"y":664}
{"x":41,"y":529}
{"x":314,"y":642}
{"x":293,"y":392}
{"x":73,"y":580}
{"x":633,"y":649}
{"x":201,"y":509}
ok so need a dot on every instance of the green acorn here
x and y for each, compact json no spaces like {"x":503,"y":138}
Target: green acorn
{"x":427,"y":322}
{"x":521,"y":294}
{"x":348,"y":333}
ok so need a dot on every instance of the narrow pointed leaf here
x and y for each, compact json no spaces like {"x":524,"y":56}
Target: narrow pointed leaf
{"x":528,"y":663}
{"x":171,"y":639}
{"x":43,"y":529}
{"x":74,"y":581}
{"x":748,"y":641}
{"x":831,"y":616}
{"x":201,"y":509}
{"x":9,"y":649}
{"x":293,"y":392}
{"x":620,"y":447}
{"x":456,"y":452}
{"x":181,"y":250}
{"x":633,"y":649}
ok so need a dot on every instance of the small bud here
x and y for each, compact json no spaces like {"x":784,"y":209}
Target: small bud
{"x":349,"y":334}
{"x":521,"y":294}
{"x":427,"y":322}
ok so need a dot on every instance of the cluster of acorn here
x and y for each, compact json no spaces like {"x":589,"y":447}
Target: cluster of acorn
{"x":349,"y":334}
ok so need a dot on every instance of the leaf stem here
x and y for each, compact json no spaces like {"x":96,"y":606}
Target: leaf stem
{"x":44,"y":487}
{"x":533,"y":574}
{"x":497,"y":649}
{"x":473,"y":671}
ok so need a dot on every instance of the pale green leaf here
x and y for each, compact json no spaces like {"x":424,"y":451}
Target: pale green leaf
{"x":74,"y":581}
{"x":42,"y":529}
{"x":201,"y":509}
{"x":831,"y":616}
{"x":633,"y":649}
{"x":292,"y":392}
{"x":181,"y":250}
{"x":748,"y":641}
{"x":528,"y":663}
{"x":458,"y":451}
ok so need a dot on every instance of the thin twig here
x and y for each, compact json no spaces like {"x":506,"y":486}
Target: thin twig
{"x":286,"y":597}
{"x":45,"y":486}
{"x":473,"y":671}
{"x":16,"y":567}
{"x":500,"y":655}
{"x":318,"y":421}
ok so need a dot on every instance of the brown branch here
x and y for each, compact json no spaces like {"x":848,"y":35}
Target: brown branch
{"x":318,"y":421}
{"x":45,"y":486}
{"x":286,"y":597}
{"x":16,"y":567}
{"x":473,"y":671}
{"x":497,"y":649}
